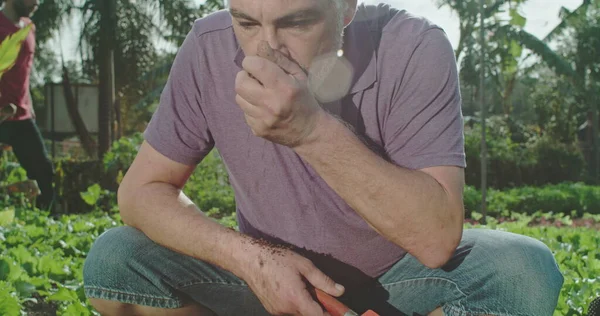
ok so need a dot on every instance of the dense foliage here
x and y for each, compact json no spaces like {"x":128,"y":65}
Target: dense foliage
{"x":521,"y":155}
{"x":41,"y":255}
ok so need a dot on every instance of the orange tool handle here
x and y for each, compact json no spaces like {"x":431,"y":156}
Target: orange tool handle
{"x":336,"y":308}
{"x":332,"y":305}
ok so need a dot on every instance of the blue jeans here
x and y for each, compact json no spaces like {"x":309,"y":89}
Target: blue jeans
{"x":491,"y":272}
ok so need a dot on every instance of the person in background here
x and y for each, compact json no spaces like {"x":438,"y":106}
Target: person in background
{"x":18,"y":128}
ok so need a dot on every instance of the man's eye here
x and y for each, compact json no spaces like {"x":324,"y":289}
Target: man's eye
{"x":299,"y":25}
{"x":247,"y":25}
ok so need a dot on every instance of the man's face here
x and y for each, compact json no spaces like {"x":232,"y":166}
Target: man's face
{"x":25,"y":8}
{"x":300,"y":29}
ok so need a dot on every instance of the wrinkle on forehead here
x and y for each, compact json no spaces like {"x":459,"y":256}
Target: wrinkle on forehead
{"x":271,"y":10}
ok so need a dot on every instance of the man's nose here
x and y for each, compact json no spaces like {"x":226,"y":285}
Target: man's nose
{"x":271,"y":36}
{"x":275,"y":41}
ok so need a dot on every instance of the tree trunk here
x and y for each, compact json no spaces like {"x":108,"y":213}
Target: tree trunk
{"x":484,"y":153}
{"x":118,"y":119}
{"x":84,"y":136}
{"x":595,"y":144}
{"x":507,"y":97}
{"x":107,"y":76}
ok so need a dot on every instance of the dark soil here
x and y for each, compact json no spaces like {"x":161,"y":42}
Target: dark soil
{"x":41,"y":307}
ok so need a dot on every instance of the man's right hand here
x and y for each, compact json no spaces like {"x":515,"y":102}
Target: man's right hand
{"x":284,"y":280}
{"x":7,"y":112}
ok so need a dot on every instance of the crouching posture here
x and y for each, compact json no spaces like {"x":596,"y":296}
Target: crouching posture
{"x":342,"y":132}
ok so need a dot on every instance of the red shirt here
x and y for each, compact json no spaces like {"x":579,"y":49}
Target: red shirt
{"x":14,"y":85}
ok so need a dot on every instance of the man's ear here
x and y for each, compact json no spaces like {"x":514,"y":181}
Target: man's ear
{"x":350,"y":11}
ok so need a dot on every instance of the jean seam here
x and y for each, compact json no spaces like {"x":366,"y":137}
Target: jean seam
{"x":132,"y":298}
{"x":453,"y":310}
{"x":435,"y":279}
{"x":185,"y":285}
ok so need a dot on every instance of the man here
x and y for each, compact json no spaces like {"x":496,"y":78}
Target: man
{"x":359,"y":196}
{"x":19,"y":130}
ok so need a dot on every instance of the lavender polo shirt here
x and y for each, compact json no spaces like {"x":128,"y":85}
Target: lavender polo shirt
{"x":404,"y":101}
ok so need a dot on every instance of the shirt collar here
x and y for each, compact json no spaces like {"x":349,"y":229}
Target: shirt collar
{"x":359,"y":49}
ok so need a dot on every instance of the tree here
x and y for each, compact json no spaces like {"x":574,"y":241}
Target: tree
{"x":506,"y":41}
{"x":580,"y":33}
{"x":106,"y":65}
{"x":468,"y":13}
{"x":500,"y":61}
{"x":576,"y":61}
{"x":130,"y":28}
{"x":155,"y":79}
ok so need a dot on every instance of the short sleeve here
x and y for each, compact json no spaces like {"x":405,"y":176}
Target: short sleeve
{"x":424,"y":127}
{"x":178,"y":129}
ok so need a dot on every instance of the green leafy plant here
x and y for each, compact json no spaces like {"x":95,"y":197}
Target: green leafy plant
{"x":559,"y":198}
{"x":576,"y":252}
{"x":92,"y":195}
{"x":10,"y":48}
{"x":41,"y":258}
{"x":208,"y":186}
{"x":520,"y":155}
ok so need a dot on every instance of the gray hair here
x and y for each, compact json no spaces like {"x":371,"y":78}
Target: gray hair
{"x":340,"y":5}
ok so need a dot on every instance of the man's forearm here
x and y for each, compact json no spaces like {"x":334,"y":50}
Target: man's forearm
{"x":408,"y":207}
{"x":169,"y":218}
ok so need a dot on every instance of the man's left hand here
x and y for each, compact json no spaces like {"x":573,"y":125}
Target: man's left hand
{"x":273,"y":92}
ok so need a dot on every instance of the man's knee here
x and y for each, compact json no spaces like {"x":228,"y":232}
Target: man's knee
{"x":521,"y":264}
{"x":103,"y":263}
{"x":109,"y":261}
{"x":534,"y":262}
